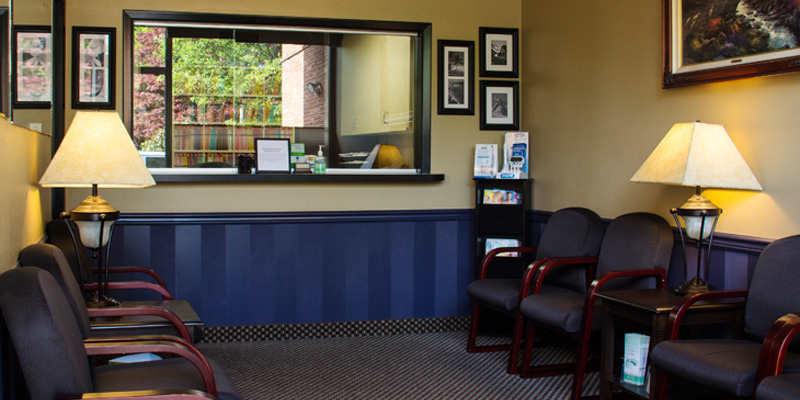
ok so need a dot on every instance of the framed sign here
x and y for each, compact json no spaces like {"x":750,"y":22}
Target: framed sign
{"x":499,"y":52}
{"x":93,"y":68}
{"x":456,"y":77}
{"x":499,"y":105}
{"x":32,"y":67}
{"x":272,"y":155}
{"x":704,"y":43}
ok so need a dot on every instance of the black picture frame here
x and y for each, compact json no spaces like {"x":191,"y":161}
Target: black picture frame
{"x":456,"y":77}
{"x":93,"y":68}
{"x":499,"y":52}
{"x":31,"y":67}
{"x":681,"y":69}
{"x":272,"y":156}
{"x":499,"y":109}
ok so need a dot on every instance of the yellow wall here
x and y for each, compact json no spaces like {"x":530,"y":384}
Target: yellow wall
{"x":24,"y":155}
{"x":453,"y":137}
{"x":593,"y":102}
{"x":591,"y":99}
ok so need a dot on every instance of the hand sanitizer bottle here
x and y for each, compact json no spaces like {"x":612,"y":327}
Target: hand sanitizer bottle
{"x":319,"y":163}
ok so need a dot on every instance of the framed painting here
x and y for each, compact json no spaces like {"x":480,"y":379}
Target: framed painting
{"x":93,"y":67}
{"x":499,"y":105}
{"x":456,"y":77}
{"x":32,"y":67}
{"x":708,"y":42}
{"x":499,"y":52}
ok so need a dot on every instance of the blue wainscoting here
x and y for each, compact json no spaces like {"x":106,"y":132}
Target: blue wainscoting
{"x":279,"y":268}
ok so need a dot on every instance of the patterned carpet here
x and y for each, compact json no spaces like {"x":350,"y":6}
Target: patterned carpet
{"x":402,"y":366}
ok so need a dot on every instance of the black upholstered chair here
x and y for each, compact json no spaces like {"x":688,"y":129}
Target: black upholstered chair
{"x":775,"y":385}
{"x":779,"y":387}
{"x":55,"y":361}
{"x":570,"y":233}
{"x":734,"y":367}
{"x":634,"y":254}
{"x":64,"y":234}
{"x":51,"y":259}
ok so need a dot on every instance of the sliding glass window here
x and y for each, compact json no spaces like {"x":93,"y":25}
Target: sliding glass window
{"x":201,"y":92}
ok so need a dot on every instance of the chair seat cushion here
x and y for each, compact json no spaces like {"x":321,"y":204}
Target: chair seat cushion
{"x":781,"y":387}
{"x":500,"y":294}
{"x":173,"y":373}
{"x":560,"y":311}
{"x":503,"y":294}
{"x":726,"y":365}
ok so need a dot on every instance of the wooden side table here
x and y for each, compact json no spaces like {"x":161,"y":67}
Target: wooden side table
{"x":647,"y":311}
{"x":147,"y":324}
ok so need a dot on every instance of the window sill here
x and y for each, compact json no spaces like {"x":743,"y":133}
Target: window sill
{"x":230,"y":176}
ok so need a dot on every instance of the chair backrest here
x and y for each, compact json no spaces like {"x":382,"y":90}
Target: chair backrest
{"x":635,"y":241}
{"x":51,"y":259}
{"x":44,"y":333}
{"x":60,"y":234}
{"x":570,"y":232}
{"x":774,"y":287}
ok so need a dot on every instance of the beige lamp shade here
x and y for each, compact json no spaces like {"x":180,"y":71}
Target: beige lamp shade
{"x":697,"y":154}
{"x":97,"y":150}
{"x":389,"y":157}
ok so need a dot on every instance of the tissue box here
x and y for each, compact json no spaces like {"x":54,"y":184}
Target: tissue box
{"x":634,"y":366}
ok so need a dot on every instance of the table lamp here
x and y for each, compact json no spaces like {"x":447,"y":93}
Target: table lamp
{"x":96,"y":151}
{"x":700,"y":155}
{"x":389,"y":157}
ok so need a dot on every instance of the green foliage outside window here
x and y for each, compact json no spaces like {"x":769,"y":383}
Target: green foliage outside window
{"x":213,"y":81}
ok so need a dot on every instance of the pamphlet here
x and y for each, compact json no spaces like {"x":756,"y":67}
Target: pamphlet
{"x":493,"y":243}
{"x":485,"y":160}
{"x":634,"y":365}
{"x":500,"y":196}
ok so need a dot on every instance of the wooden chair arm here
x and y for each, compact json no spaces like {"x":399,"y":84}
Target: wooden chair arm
{"x":142,"y":338}
{"x":677,"y":313}
{"x":162,"y":394}
{"x":142,"y":270}
{"x":155,"y":346}
{"x":165,"y":295}
{"x":660,"y":274}
{"x":776,"y":344}
{"x":142,"y":310}
{"x":530,"y":272}
{"x":487,"y":259}
{"x":137,"y":338}
{"x":541,"y":269}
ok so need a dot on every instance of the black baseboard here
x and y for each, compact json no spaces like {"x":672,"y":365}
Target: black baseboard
{"x":250,"y":333}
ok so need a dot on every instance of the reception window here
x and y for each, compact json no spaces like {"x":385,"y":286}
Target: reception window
{"x":202,"y":88}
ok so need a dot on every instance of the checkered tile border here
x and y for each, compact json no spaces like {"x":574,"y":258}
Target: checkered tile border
{"x":250,"y":333}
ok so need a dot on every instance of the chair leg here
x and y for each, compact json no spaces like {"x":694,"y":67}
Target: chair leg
{"x":528,"y":355}
{"x":516,"y":342}
{"x":473,"y":329}
{"x":472,"y":345}
{"x":580,"y":362}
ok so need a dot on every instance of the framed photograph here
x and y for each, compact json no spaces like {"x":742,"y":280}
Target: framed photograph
{"x":272,"y":155}
{"x":456,"y":77}
{"x":32,"y":67}
{"x":93,"y":68}
{"x":499,"y":105}
{"x":704,"y":43}
{"x":499,"y":52}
